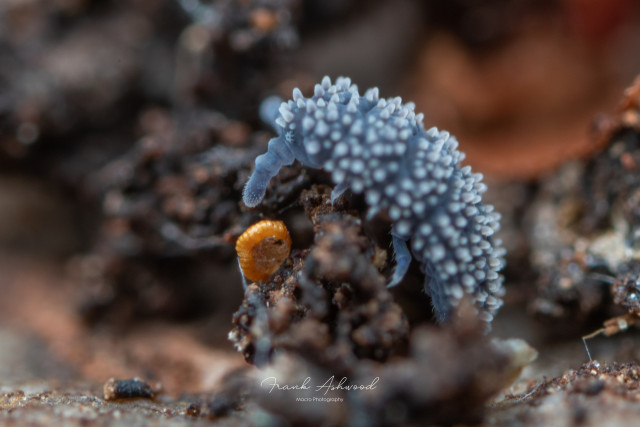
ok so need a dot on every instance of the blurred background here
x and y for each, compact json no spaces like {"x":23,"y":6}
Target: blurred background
{"x":127,"y":129}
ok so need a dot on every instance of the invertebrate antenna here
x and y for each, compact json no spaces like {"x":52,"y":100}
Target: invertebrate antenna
{"x":611,"y":327}
{"x":602,"y":277}
{"x":173,"y":233}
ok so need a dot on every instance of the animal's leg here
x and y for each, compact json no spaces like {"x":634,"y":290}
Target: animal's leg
{"x":338,"y":191}
{"x":403,"y":260}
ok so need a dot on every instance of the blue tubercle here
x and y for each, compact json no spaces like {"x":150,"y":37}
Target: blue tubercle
{"x":379,"y":147}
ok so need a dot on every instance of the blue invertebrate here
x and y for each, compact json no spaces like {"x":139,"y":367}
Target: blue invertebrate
{"x":379,"y":147}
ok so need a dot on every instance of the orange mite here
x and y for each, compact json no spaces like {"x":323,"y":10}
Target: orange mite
{"x":262,"y":249}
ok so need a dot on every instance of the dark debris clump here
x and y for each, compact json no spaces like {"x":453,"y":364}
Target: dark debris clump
{"x":76,"y":71}
{"x":71,"y":70}
{"x":443,"y":370}
{"x":178,"y":185}
{"x":172,"y":196}
{"x":223,"y":53}
{"x":128,"y":389}
{"x":585,"y":224}
{"x":329,"y":302}
{"x":327,"y":313}
{"x":626,"y":289}
{"x":144,"y":113}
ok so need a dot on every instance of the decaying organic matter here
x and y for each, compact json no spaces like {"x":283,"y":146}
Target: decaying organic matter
{"x":594,"y":394}
{"x":330,"y":300}
{"x":585,"y":224}
{"x":133,"y":388}
{"x":328,"y":313}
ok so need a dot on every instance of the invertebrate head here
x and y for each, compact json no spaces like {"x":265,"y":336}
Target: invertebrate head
{"x":262,"y":248}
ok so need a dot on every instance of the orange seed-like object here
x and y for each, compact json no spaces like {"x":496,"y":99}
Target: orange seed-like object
{"x":262,"y":249}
